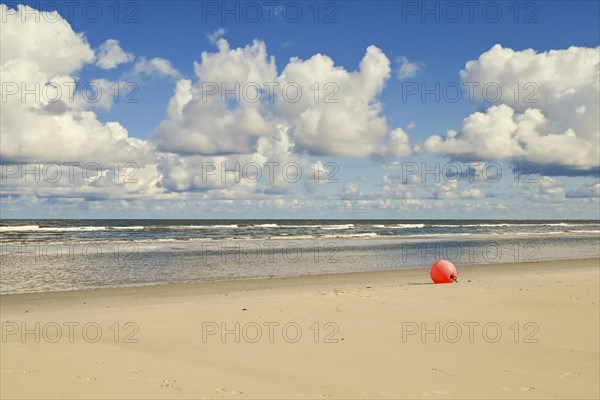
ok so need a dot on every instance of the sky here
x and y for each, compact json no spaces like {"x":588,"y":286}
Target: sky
{"x":300,"y":109}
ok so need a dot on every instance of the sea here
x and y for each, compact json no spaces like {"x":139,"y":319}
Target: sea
{"x":71,"y":254}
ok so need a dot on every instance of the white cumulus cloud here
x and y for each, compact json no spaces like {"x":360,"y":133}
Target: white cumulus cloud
{"x":200,"y":121}
{"x":548,"y":111}
{"x":239,"y":97}
{"x":54,"y":125}
{"x":48,"y":40}
{"x":110,"y":55}
{"x":155,"y":67}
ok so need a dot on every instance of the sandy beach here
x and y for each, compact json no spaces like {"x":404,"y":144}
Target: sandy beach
{"x":515,"y":331}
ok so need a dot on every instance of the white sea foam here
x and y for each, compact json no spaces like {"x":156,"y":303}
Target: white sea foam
{"x":408,"y":226}
{"x":351,"y":235}
{"x":197,"y":227}
{"x":22,"y":228}
{"x":336,"y":227}
{"x":36,"y":228}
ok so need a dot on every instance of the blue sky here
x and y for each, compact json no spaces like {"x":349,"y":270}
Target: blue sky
{"x":433,"y":48}
{"x":443,"y":48}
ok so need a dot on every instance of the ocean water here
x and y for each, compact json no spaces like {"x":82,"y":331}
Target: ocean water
{"x":50,"y":255}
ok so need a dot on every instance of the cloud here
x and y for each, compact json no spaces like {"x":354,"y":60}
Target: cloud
{"x":203,"y":124}
{"x":350,"y":190}
{"x":348,"y":123}
{"x":249,"y":64}
{"x":472,"y":193}
{"x":155,"y":67}
{"x":47,"y":40}
{"x":445,"y":190}
{"x":216,"y":35}
{"x":553,"y":121}
{"x":548,"y":186}
{"x":407,"y":69}
{"x":110,"y":55}
{"x":328,"y":111}
{"x":590,"y":190}
{"x":50,"y":127}
{"x":249,"y":176}
{"x":396,"y":145}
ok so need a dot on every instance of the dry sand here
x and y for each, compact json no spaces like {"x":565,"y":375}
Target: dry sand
{"x":547,"y":314}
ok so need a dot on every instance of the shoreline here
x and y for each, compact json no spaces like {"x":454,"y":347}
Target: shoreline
{"x":76,"y":267}
{"x":420,"y":274}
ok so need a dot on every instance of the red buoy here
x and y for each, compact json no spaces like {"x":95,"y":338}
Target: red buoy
{"x":443,"y":271}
